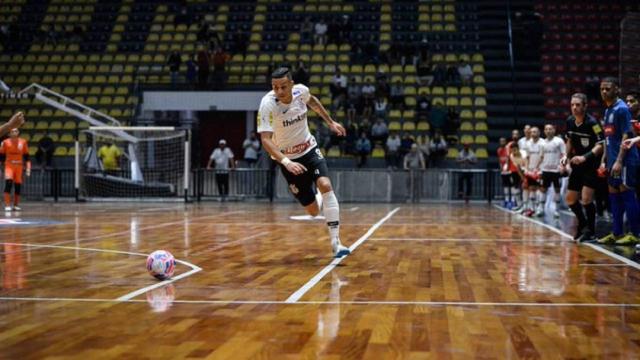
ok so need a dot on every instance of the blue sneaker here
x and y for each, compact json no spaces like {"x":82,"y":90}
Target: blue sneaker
{"x":339,"y":250}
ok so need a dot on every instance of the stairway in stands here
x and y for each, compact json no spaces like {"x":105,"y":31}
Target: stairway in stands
{"x":514,"y":99}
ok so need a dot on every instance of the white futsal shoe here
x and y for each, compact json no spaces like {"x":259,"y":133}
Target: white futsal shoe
{"x":17,"y":208}
{"x":339,"y":250}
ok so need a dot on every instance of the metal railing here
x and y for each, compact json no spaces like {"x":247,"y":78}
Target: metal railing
{"x":350,"y":185}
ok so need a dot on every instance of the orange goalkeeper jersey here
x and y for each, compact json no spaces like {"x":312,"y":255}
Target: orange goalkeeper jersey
{"x":14,"y":151}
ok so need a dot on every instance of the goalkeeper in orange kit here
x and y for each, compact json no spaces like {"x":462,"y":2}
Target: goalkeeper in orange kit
{"x":14,"y":153}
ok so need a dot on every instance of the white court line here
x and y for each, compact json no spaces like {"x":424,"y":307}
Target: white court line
{"x":623,"y":259}
{"x":131,"y":295}
{"x":354,"y":208}
{"x":314,"y":302}
{"x":466,"y":240}
{"x":314,"y":280}
{"x":151,"y":227}
{"x":607,"y":265}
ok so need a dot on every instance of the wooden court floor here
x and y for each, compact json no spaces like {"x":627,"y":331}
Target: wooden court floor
{"x":423,"y":281}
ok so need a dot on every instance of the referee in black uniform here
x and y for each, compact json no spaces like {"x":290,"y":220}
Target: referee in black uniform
{"x":584,"y":148}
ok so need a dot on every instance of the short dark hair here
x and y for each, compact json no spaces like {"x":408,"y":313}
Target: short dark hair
{"x":281,"y":72}
{"x":580,"y":96}
{"x":610,"y":79}
{"x":635,"y":93}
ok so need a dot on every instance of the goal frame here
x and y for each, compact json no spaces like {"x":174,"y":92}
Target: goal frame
{"x":121,"y":131}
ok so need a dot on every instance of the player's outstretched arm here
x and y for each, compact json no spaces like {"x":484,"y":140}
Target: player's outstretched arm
{"x":271,"y":148}
{"x":631,"y":142}
{"x":15,"y":122}
{"x":317,"y":106}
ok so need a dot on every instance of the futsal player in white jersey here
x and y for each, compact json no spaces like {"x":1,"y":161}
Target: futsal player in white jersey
{"x":553,"y":149}
{"x":532,"y":170}
{"x":284,"y":131}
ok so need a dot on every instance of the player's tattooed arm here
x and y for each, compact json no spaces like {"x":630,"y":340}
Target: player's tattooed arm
{"x":317,"y":106}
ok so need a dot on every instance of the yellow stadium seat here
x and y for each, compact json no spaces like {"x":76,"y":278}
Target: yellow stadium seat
{"x":481,"y":126}
{"x":480,"y":115}
{"x":408,"y":126}
{"x":477,"y":58}
{"x":55,"y":125}
{"x":481,"y":139}
{"x":437,"y":90}
{"x":377,"y":153}
{"x":465,"y":90}
{"x":482,"y":153}
{"x":394,"y":126}
{"x":466,"y":139}
{"x":479,"y":91}
{"x":452,"y":101}
{"x":466,"y":126}
{"x":333,"y":152}
{"x":478,"y":79}
{"x":423,"y":126}
{"x":33,"y":150}
{"x":466,"y":101}
{"x":42,"y":125}
{"x":408,"y":115}
{"x":466,"y":115}
{"x":410,"y":101}
{"x":452,"y":153}
{"x":478,"y":69}
{"x":60,"y":151}
{"x":395,"y":114}
{"x":69,"y":125}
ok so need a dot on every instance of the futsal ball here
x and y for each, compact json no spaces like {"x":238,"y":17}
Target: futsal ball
{"x":161,"y":264}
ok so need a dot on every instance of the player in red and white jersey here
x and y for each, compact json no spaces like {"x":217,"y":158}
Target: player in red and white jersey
{"x":509,"y":174}
{"x":284,"y":131}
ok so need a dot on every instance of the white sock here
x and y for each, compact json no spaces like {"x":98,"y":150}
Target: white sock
{"x":332,"y":214}
{"x":506,"y":194}
{"x":525,"y":196}
{"x":319,"y":201}
{"x":514,"y":193}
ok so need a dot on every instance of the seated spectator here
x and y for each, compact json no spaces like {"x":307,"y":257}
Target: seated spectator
{"x":363,"y":149}
{"x":437,"y":149}
{"x":344,"y":29}
{"x":423,"y":107}
{"x":174,"y":62}
{"x":392,"y":153}
{"x":338,"y":86}
{"x":323,"y":136}
{"x":465,"y":72}
{"x":379,"y":132}
{"x":320,"y":35}
{"x":347,"y":147}
{"x":438,"y":117}
{"x":453,"y":122}
{"x":453,"y":77}
{"x":301,"y":75}
{"x":439,"y":74}
{"x":380,"y":107}
{"x":192,"y":70}
{"x":397,"y":95}
{"x":306,"y":30}
{"x":405,"y":144}
{"x":368,"y":95}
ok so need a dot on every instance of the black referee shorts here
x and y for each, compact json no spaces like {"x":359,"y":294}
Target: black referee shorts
{"x":583,"y":175}
{"x":303,"y":186}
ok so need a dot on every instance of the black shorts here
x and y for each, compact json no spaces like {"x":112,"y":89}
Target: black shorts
{"x":531,"y":181}
{"x":549,"y":178}
{"x":303,"y":186}
{"x":511,"y":180}
{"x":583,"y":175}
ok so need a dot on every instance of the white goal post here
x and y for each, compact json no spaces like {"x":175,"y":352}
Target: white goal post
{"x":132,"y":163}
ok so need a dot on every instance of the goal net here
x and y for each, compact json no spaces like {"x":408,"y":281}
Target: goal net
{"x":132,"y":162}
